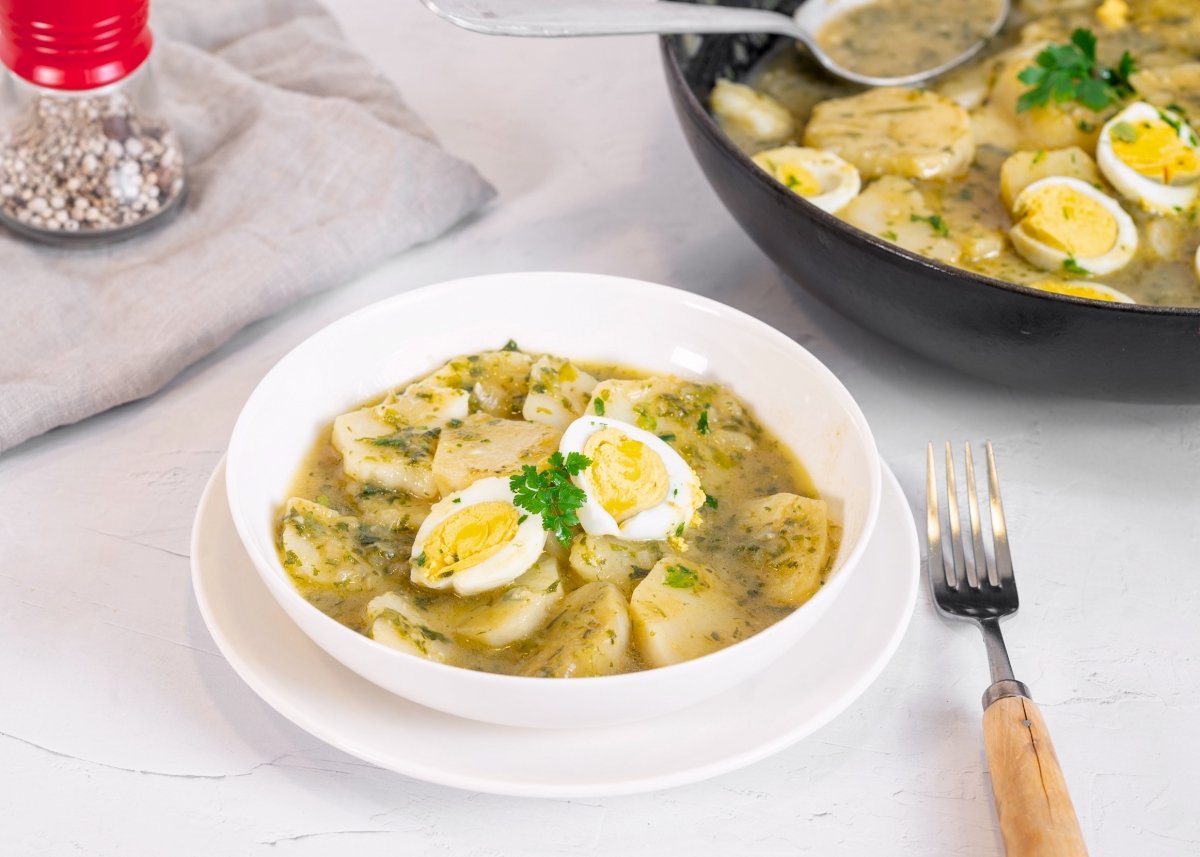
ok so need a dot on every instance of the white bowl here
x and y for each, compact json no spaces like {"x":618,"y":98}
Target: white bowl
{"x":585,"y":316}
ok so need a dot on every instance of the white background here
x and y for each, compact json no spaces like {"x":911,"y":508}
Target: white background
{"x":124,"y":732}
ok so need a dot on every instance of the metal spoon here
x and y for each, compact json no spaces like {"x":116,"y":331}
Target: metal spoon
{"x":550,"y":18}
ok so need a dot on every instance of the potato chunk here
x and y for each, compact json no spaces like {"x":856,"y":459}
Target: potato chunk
{"x":613,"y":560}
{"x":1167,"y":85}
{"x":397,"y":622}
{"x":391,"y":510}
{"x":1052,"y":126}
{"x":513,"y":613}
{"x":1024,"y":168}
{"x":683,"y":610}
{"x":749,"y":114}
{"x":424,"y":404}
{"x":892,"y":131}
{"x":489,"y":446}
{"x":558,"y":392}
{"x":893,"y":208}
{"x":497,"y":380}
{"x":322,"y":546}
{"x":789,"y":535}
{"x":589,"y":637}
{"x":377,"y":452}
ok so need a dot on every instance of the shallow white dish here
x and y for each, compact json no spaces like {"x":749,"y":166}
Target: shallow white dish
{"x":762,"y":716}
{"x":585,"y":316}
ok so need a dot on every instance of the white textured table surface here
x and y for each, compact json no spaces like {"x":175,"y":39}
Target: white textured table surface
{"x":124,"y":732}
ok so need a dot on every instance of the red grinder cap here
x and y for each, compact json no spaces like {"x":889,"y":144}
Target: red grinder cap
{"x":74,"y":44}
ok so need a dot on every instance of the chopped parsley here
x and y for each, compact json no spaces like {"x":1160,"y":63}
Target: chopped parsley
{"x":681,"y":577}
{"x":1124,"y":132}
{"x":668,"y":437}
{"x":454,"y":423}
{"x":430,"y":634}
{"x":511,"y":345}
{"x":890,"y":235}
{"x":702,"y":423}
{"x":1176,"y":124}
{"x":421,"y":559}
{"x":1073,"y":267}
{"x":551,"y":493}
{"x":598,"y":406}
{"x":1070,"y":72}
{"x":710,"y":501}
{"x":935,"y":223}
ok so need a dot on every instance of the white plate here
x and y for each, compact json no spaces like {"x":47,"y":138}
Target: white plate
{"x":752,"y":721}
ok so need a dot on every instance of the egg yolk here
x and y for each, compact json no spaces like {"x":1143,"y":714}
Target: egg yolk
{"x":626,"y":476}
{"x":1067,"y":220}
{"x":1076,"y":290}
{"x":1154,"y":150}
{"x":468,"y":537}
{"x":792,"y":176}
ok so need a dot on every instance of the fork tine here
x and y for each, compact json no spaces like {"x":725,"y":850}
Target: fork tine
{"x":956,"y":542}
{"x":982,"y":562}
{"x":1004,"y":568}
{"x":938,"y":571}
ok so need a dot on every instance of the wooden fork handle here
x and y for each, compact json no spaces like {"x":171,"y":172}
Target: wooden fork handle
{"x":1036,"y":815}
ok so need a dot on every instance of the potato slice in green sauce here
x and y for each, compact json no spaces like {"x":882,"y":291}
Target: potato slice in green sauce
{"x":683,"y":610}
{"x":788,"y":537}
{"x":513,"y":613}
{"x":606,"y":558}
{"x":589,"y":637}
{"x":398,"y":623}
{"x":375,"y":451}
{"x":322,"y":547}
{"x":489,"y":446}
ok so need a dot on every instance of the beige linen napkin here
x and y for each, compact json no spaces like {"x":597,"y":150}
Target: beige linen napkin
{"x":305,"y":169}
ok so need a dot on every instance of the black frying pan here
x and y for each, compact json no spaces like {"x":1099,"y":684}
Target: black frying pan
{"x":998,"y":330}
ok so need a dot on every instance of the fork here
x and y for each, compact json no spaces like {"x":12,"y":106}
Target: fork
{"x":1032,"y":803}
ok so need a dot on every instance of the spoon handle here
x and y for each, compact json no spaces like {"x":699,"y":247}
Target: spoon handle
{"x":547,"y":18}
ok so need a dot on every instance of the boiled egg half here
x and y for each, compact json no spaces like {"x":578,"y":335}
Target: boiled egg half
{"x":476,"y":539}
{"x":1084,"y":289}
{"x":1065,"y":224}
{"x":1150,"y":156}
{"x":823,"y":178}
{"x":637,"y":486}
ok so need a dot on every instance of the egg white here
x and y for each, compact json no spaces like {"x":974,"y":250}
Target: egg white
{"x":658,"y":523}
{"x":1150,"y":194}
{"x":1051,"y":258}
{"x":838,"y":178}
{"x":502,"y":567}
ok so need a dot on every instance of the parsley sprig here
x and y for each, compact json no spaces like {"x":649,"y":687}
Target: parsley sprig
{"x":551,"y":493}
{"x":1070,"y":73}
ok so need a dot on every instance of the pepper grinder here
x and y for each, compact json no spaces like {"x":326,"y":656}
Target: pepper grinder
{"x":84,"y":153}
